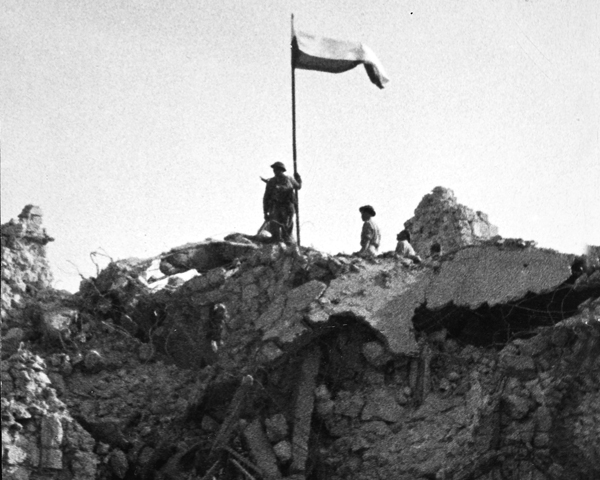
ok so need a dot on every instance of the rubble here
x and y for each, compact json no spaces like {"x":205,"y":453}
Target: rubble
{"x":204,"y":256}
{"x":25,"y":269}
{"x":283,"y":362}
{"x":441,"y":222}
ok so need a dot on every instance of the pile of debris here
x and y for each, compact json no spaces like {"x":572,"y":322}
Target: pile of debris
{"x":441,"y":222}
{"x":283,"y":362}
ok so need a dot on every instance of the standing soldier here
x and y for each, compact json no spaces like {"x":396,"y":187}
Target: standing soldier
{"x":370,"y":236}
{"x":279,"y":203}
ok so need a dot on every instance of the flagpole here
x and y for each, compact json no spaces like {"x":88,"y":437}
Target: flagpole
{"x":294,"y":132}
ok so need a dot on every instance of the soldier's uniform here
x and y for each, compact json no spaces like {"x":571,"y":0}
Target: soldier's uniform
{"x":279,"y":204}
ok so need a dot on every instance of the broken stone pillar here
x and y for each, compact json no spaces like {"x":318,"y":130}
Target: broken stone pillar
{"x":441,"y":221}
{"x":304,"y":408}
{"x":25,"y":269}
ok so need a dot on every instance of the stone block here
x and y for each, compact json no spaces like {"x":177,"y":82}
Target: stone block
{"x":517,"y":407}
{"x":270,"y":352}
{"x":33,"y":452}
{"x":277,"y":428}
{"x":52,"y":431}
{"x":283,"y":451}
{"x":349,"y":405}
{"x":541,"y":440}
{"x":84,"y":465}
{"x":93,"y":361}
{"x":375,"y":353}
{"x":324,"y":408}
{"x":381,"y":405}
{"x":216,"y":277}
{"x":13,"y":455}
{"x":7,"y":384}
{"x":520,"y":366}
{"x":118,"y":463}
{"x":56,"y":322}
{"x":51,"y":458}
{"x":15,"y":473}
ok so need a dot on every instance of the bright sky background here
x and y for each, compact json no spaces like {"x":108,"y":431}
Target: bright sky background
{"x":142,"y":125}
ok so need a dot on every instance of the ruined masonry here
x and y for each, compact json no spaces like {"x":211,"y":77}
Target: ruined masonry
{"x":440,"y":219}
{"x":279,"y":362}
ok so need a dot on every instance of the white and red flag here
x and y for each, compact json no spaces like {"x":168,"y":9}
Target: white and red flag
{"x":310,"y":52}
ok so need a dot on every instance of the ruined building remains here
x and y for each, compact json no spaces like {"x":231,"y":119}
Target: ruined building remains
{"x":280,"y":362}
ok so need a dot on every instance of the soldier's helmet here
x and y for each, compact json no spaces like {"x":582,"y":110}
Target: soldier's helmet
{"x":278,"y":165}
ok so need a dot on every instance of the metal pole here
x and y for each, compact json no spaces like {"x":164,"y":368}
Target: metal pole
{"x":294,"y":131}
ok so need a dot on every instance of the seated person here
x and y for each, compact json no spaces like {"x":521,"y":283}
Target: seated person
{"x":404,"y":248}
{"x":370,"y":236}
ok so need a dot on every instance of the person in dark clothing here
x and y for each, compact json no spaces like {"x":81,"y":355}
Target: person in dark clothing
{"x":370,"y":236}
{"x":279,"y":203}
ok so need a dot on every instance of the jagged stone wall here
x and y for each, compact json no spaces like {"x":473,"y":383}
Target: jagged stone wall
{"x":462,"y":412}
{"x":440,"y":219}
{"x":40,"y":439}
{"x":25,"y":269}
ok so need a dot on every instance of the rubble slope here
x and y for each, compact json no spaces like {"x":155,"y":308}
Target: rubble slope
{"x":284,"y":362}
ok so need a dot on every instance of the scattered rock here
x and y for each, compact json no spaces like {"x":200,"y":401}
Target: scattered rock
{"x":118,"y":463}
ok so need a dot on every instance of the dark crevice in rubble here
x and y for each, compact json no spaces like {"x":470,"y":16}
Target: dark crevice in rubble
{"x":343,"y":362}
{"x":497,"y":325}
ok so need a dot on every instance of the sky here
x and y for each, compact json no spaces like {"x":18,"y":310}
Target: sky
{"x":141,"y":125}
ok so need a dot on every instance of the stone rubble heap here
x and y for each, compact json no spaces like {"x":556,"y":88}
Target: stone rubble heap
{"x":279,"y":362}
{"x":38,"y":432}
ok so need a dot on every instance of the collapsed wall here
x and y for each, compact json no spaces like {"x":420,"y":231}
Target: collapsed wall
{"x":283,"y":362}
{"x":338,"y":367}
{"x":441,"y":221}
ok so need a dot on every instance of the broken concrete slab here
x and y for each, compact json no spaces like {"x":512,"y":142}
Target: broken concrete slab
{"x":283,"y":320}
{"x":385,"y":297}
{"x":493,"y":275}
{"x":204,"y":256}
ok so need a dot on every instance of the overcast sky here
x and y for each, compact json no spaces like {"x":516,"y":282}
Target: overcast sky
{"x":141,"y":125}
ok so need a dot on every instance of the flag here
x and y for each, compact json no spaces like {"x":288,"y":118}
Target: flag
{"x":310,"y":52}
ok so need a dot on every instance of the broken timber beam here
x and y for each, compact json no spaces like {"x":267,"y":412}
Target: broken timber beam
{"x":232,"y":417}
{"x":304,"y":409}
